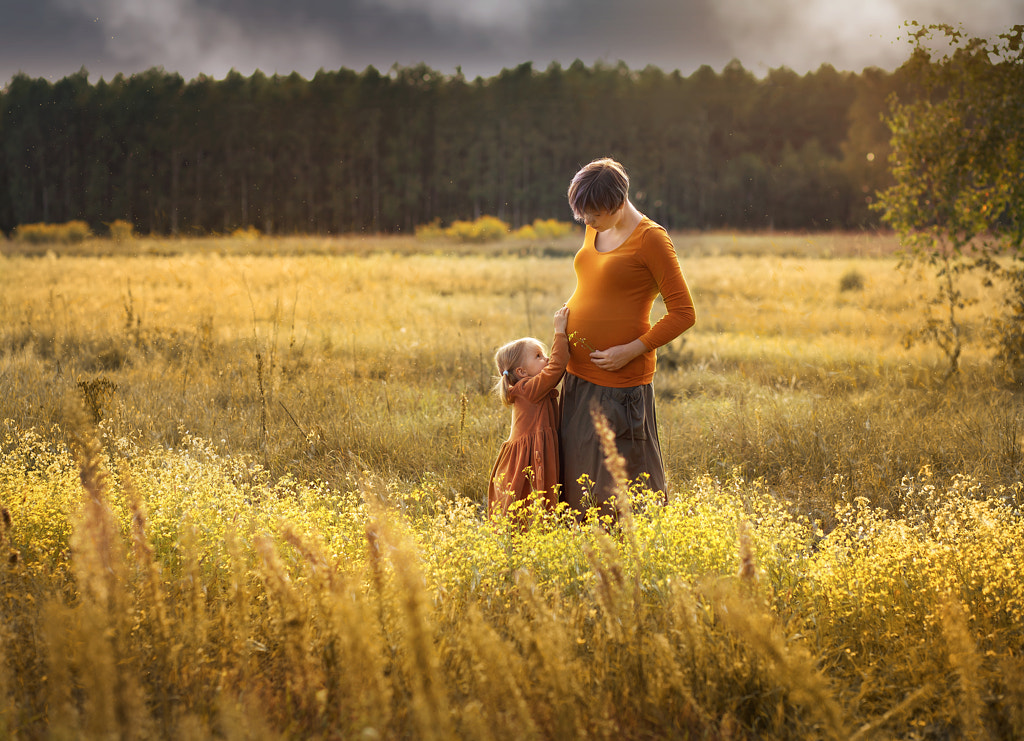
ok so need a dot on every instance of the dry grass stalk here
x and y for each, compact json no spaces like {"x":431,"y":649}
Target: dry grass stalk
{"x":97,"y":545}
{"x":616,"y":466}
{"x":747,"y":571}
{"x":559,"y":682}
{"x":670,"y":704}
{"x":151,"y":604}
{"x":356,"y":661}
{"x":188,"y":655}
{"x":325,"y":574}
{"x":375,"y":562}
{"x":292,"y":629}
{"x":61,"y":636}
{"x":262,"y":439}
{"x":609,"y":583}
{"x":791,"y":667}
{"x":421,"y":665}
{"x":463,"y":407}
{"x":496,"y":672}
{"x":347,"y":645}
{"x":1009,"y":692}
{"x":113,"y":698}
{"x":966,"y":663}
{"x":320,"y":592}
{"x":872,"y":728}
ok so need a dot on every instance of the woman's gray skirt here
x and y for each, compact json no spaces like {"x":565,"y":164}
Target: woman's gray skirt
{"x":630,"y":414}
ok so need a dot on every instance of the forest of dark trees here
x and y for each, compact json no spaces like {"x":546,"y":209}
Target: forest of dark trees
{"x":366,"y":151}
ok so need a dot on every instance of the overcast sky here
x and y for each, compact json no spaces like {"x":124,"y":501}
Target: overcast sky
{"x":54,"y":38}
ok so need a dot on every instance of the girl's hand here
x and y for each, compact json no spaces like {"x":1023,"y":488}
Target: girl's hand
{"x":561,"y":319}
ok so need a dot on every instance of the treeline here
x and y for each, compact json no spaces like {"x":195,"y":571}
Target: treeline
{"x":347,"y":151}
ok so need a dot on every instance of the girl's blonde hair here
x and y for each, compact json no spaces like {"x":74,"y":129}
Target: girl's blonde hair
{"x":509,"y":357}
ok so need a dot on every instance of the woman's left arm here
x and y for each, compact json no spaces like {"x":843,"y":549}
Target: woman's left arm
{"x":664,"y":267}
{"x":661,"y":261}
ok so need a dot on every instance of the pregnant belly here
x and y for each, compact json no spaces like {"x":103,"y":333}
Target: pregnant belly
{"x":601,"y":333}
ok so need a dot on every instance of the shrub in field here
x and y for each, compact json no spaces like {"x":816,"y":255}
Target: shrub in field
{"x":544,"y":229}
{"x":249,"y":232}
{"x":484,"y":229}
{"x":526,"y":231}
{"x":121,"y":230}
{"x":71,"y":232}
{"x":433,"y":230}
{"x":852,"y":280}
{"x":552,"y":228}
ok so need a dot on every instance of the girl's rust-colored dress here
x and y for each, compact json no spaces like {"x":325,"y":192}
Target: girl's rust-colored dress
{"x":528,"y":460}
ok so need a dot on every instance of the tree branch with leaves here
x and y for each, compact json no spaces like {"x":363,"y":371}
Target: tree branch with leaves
{"x":957,"y":162}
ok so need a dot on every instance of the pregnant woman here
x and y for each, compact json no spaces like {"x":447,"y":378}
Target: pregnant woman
{"x":625,"y":262}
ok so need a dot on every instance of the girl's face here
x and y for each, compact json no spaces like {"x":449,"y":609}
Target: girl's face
{"x":534,"y":362}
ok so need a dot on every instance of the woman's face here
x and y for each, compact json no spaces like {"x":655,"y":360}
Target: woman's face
{"x":602,"y":221}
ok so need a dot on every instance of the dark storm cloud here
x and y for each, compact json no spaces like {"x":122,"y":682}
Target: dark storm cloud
{"x":53,"y":38}
{"x":666,"y":33}
{"x":44,"y":40}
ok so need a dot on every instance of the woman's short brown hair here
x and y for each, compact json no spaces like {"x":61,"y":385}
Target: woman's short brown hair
{"x":602,"y":185}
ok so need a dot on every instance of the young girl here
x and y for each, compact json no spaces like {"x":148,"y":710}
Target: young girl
{"x":528,"y":461}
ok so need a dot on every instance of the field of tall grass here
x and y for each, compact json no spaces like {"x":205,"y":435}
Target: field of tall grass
{"x":241,"y":483}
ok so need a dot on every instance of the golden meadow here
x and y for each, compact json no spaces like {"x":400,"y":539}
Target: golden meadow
{"x":241,"y":484}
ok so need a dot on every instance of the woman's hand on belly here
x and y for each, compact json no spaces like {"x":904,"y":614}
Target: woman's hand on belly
{"x":617,"y":357}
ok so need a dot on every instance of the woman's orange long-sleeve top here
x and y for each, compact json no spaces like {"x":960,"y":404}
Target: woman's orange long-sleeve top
{"x":612,"y":303}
